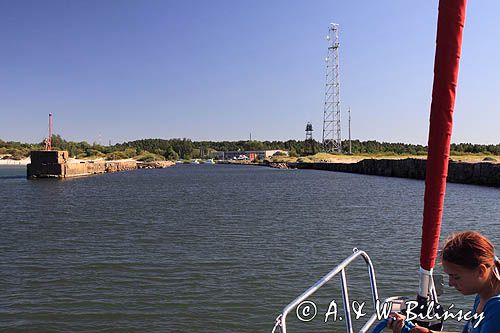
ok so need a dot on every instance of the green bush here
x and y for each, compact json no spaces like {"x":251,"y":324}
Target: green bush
{"x":150,"y":157}
{"x":171,"y":154}
{"x":19,"y":155}
{"x":16,"y":154}
{"x":304,"y":160}
{"x":93,"y":153}
{"x":280,"y":153}
{"x":293,"y":153}
{"x":130,"y":152}
{"x":117,"y":155}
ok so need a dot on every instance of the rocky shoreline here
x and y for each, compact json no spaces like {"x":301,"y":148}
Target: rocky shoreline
{"x":485,"y":173}
{"x":154,"y":164}
{"x":482,"y":173}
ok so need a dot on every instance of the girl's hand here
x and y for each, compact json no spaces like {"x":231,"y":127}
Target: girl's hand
{"x":396,"y":323}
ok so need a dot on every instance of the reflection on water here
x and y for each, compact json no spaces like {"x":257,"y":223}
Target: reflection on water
{"x":209,"y":248}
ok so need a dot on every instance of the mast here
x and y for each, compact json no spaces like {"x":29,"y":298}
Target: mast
{"x":450,"y":26}
{"x":48,"y":142}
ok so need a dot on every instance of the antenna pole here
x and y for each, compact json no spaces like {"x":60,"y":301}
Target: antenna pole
{"x":350,"y":146}
{"x":49,"y":139}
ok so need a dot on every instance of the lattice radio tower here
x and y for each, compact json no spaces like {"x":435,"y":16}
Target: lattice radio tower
{"x":332,"y":141}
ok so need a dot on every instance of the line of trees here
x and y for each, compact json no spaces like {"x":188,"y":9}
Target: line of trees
{"x":174,"y":149}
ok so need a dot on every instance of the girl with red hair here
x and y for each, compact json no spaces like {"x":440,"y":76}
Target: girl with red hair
{"x":469,"y":260}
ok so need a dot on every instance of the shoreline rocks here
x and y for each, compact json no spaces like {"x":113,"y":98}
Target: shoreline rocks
{"x":482,"y":173}
{"x":279,"y":165}
{"x":154,"y":164}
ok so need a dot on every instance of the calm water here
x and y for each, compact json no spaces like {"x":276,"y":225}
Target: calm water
{"x":209,"y":248}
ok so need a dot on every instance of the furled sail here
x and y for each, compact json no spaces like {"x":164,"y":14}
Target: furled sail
{"x":450,"y":26}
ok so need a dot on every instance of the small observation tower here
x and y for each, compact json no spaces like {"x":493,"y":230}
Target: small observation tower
{"x":309,"y":131}
{"x":309,"y":143}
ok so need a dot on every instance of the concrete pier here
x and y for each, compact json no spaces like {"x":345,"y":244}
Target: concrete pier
{"x":56,"y":164}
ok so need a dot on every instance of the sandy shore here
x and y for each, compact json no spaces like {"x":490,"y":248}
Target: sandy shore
{"x":15,"y":162}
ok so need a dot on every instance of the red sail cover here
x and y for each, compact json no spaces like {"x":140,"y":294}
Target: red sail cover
{"x":448,"y":46}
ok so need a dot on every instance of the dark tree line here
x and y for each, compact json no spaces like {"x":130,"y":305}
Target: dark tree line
{"x":185,"y":148}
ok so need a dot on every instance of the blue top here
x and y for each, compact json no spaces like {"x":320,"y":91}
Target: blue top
{"x":491,"y":320}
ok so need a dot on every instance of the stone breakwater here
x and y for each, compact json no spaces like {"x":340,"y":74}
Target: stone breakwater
{"x":483,"y":173}
{"x":279,"y":165}
{"x":155,"y":165}
{"x":56,"y":164}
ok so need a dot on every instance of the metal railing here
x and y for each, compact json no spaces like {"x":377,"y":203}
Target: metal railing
{"x":281,"y":320}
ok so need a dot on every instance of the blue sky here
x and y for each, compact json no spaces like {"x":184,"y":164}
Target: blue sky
{"x":220,"y":70}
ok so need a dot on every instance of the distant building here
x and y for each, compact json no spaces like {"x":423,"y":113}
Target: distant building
{"x":249,"y":154}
